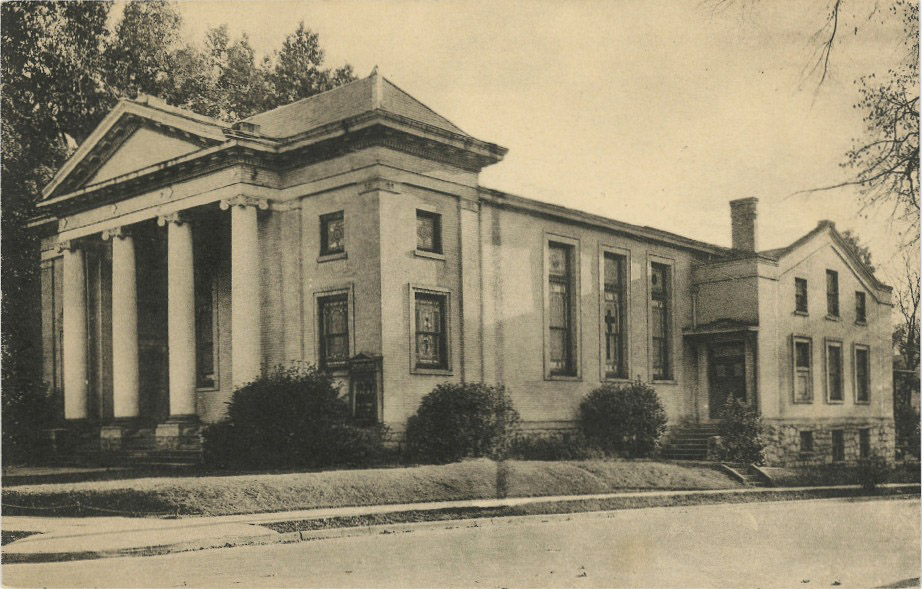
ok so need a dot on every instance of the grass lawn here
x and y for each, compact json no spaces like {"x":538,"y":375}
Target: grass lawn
{"x":254,"y":493}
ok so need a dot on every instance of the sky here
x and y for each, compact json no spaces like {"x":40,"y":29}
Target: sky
{"x":652,"y":112}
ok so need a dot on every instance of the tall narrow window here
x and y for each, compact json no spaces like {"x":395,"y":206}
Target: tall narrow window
{"x":832,"y":293}
{"x":838,"y":445}
{"x":800,"y":295}
{"x":431,"y":344}
{"x":428,"y":231}
{"x":834,"y":372}
{"x":864,"y":443}
{"x":332,"y":234}
{"x":803,"y":371}
{"x":661,"y":306}
{"x":861,"y":307}
{"x":862,"y":374}
{"x":560,"y":315}
{"x":614,"y":316}
{"x":207,"y":262}
{"x":333,"y":315}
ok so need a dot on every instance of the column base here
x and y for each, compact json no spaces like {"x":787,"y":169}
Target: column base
{"x":180,"y":433}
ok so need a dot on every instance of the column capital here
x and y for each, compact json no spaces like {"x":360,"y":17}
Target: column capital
{"x":244,"y":201}
{"x":67,"y":246}
{"x":120,"y":232}
{"x":177,"y":218}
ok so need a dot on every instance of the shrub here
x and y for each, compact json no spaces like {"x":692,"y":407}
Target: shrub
{"x":740,"y":431}
{"x":553,"y":446}
{"x":623,"y":419}
{"x":872,"y":472}
{"x":461,"y":420}
{"x":27,"y":410}
{"x":291,"y":417}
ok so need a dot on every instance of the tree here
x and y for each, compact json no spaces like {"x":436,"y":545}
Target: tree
{"x":298,"y":68}
{"x":860,"y":250}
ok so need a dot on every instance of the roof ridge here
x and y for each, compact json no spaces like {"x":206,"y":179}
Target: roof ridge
{"x":423,"y":104}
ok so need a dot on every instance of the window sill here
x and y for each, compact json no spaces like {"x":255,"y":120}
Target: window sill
{"x":563,"y":377}
{"x":670,"y":381}
{"x":801,"y":313}
{"x":833,"y":318}
{"x":835,"y":402}
{"x":432,"y":371}
{"x":620,"y":379}
{"x":865,"y":403}
{"x":861,"y":323}
{"x":212,"y":389}
{"x":331,"y":257}
{"x":430,"y":255}
{"x":802,"y":402}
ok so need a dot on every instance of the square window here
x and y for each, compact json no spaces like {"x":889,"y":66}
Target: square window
{"x":800,"y":295}
{"x":832,"y":293}
{"x":332,"y":234}
{"x":431,"y":343}
{"x":838,"y":445}
{"x":861,"y":307}
{"x":806,"y":441}
{"x":834,"y":372}
{"x":428,"y":231}
{"x":333,"y":315}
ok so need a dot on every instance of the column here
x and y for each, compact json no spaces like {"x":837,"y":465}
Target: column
{"x":125,"y":376}
{"x":246,"y":331}
{"x":75,"y":332}
{"x":472,"y":344}
{"x":180,"y":315}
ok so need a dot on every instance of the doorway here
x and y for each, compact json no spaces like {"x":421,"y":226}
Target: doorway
{"x":727,"y":378}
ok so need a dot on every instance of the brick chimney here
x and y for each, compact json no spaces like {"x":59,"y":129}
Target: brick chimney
{"x":743,"y":220}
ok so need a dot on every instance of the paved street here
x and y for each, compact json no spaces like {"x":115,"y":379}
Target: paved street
{"x":785,"y":544}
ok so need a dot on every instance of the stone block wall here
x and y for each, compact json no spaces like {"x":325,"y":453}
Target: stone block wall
{"x":783,"y":441}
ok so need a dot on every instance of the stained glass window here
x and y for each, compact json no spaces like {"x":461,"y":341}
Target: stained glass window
{"x":428,"y":231}
{"x":332,"y":233}
{"x":430,"y":331}
{"x":334,"y":330}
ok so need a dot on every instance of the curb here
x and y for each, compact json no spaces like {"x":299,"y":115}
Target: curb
{"x":407,"y":527}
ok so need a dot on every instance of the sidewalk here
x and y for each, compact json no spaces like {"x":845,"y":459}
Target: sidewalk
{"x":60,"y":539}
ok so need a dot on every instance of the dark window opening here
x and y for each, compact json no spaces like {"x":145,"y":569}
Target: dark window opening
{"x":864,"y":443}
{"x":862,"y":375}
{"x":832,"y":293}
{"x":800,"y":295}
{"x":803,"y":374}
{"x":834,"y":371}
{"x":838,"y":445}
{"x":661,"y":302}
{"x":560,"y":317}
{"x":861,"y":307}
{"x":806,"y":441}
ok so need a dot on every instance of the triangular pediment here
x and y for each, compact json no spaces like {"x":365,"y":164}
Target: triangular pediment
{"x":135,"y":136}
{"x":144,"y":147}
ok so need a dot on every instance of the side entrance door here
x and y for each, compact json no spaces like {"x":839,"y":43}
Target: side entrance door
{"x":727,"y":375}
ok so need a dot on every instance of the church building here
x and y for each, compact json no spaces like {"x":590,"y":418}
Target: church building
{"x":182,"y":255}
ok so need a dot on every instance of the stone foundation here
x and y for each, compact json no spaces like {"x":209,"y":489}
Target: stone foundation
{"x":783,"y":443}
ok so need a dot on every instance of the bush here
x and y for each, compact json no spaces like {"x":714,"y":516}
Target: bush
{"x":740,"y":431}
{"x":624,"y":420}
{"x":872,"y":472}
{"x":27,"y":410}
{"x":553,"y":446}
{"x":461,"y":420}
{"x":291,"y":417}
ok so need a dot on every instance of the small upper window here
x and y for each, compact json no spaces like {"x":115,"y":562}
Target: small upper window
{"x":800,"y":295}
{"x":832,"y":293}
{"x":861,"y":307}
{"x":332,"y":234}
{"x":428,"y":231}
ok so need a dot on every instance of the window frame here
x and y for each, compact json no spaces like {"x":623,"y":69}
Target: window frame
{"x":833,"y":304}
{"x":430,"y":292}
{"x":574,"y":349}
{"x":322,"y":362}
{"x":867,"y":349}
{"x":669,"y":323}
{"x":437,"y":244}
{"x":864,"y":443}
{"x":327,"y":293}
{"x":805,"y":310}
{"x":325,"y":221}
{"x":625,"y":255}
{"x":861,"y":307}
{"x":795,"y":339}
{"x":834,"y":343}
